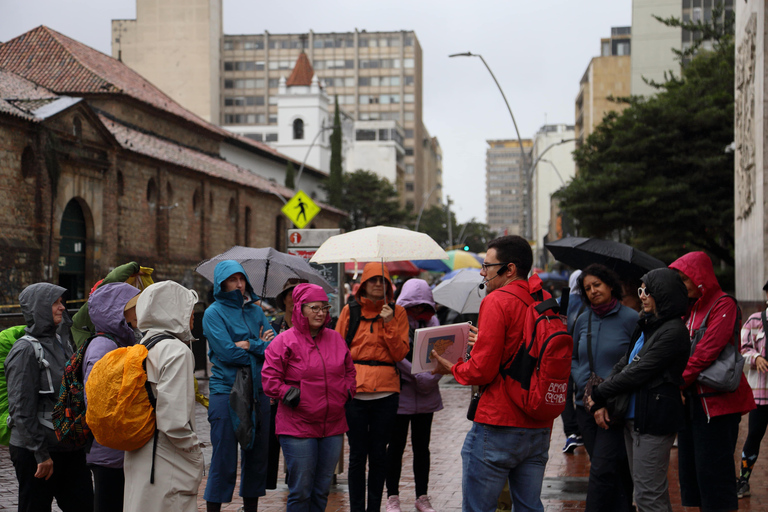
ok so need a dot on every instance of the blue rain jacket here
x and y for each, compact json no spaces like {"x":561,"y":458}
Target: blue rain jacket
{"x":229,"y":319}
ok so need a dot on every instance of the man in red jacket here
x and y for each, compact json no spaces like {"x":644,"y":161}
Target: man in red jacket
{"x":504,"y":443}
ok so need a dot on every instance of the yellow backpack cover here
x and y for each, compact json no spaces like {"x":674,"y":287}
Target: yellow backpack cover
{"x":121,"y":404}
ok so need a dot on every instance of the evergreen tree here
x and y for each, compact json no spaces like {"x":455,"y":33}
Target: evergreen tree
{"x":371,"y":201}
{"x":336,"y":178}
{"x":290,"y":176}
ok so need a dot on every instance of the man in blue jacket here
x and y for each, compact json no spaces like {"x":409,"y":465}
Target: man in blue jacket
{"x":238,"y":333}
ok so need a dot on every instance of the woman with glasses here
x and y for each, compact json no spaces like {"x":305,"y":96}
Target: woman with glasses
{"x":601,"y":337}
{"x":309,"y":370}
{"x":651,"y":373}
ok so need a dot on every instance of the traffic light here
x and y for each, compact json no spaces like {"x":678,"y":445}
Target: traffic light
{"x":466,"y":247}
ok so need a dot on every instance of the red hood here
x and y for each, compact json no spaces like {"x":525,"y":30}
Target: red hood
{"x":698,"y":267}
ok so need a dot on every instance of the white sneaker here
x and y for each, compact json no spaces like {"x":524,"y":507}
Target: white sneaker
{"x":423,"y":504}
{"x":393,"y":503}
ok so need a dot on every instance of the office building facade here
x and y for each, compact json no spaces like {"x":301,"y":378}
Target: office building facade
{"x":505,"y":185}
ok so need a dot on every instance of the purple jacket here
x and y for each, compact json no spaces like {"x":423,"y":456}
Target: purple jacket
{"x":106,"y":305}
{"x":418,"y":393}
{"x":321,"y":367}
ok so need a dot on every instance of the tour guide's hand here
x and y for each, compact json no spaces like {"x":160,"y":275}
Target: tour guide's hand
{"x":45,"y":469}
{"x":268,"y":336}
{"x":443,"y":365}
{"x":762,"y":364}
{"x":386,"y":313}
{"x":244,"y":344}
{"x":472,"y":338}
{"x":601,"y":418}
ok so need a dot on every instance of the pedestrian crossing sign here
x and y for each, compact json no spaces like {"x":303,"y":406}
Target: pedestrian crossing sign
{"x":300,"y":209}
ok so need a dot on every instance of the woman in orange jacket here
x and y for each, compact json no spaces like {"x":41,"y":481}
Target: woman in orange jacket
{"x":380,"y":341}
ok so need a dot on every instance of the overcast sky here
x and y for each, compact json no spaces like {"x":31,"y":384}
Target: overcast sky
{"x":538,"y":50}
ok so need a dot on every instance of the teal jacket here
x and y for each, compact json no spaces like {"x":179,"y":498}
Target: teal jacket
{"x":229,"y":319}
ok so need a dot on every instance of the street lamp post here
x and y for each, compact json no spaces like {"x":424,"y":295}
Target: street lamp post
{"x":424,"y":205}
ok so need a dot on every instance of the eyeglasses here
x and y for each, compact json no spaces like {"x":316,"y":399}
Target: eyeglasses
{"x":376,"y":280}
{"x":317,"y":309}
{"x":643,"y":292}
{"x":486,"y":266}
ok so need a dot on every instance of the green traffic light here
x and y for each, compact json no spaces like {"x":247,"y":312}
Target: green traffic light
{"x":466,"y":247}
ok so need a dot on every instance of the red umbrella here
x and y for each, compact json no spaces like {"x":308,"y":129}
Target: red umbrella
{"x":400,"y":268}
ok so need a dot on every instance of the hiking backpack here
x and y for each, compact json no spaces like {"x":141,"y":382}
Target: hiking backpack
{"x":8,"y":338}
{"x":535,"y":378}
{"x":69,"y":412}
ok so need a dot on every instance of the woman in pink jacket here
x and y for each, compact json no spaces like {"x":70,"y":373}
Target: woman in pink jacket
{"x":310,"y":371}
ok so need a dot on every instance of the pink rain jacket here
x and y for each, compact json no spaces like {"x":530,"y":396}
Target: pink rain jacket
{"x":321,"y":367}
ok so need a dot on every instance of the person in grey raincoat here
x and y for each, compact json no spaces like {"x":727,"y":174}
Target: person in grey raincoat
{"x":44,"y":468}
{"x":167,"y":308}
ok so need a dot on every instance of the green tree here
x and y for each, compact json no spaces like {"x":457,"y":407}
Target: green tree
{"x":476,"y":235}
{"x":290,"y":176}
{"x":657,"y":175}
{"x":434,"y":222}
{"x":335,"y":183}
{"x":370,"y":201}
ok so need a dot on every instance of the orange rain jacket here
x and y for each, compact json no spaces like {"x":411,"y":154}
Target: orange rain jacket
{"x":375,"y":341}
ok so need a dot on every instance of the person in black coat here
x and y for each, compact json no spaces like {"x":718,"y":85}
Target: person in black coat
{"x":649,"y":378}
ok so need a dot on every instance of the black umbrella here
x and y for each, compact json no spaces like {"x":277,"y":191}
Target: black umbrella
{"x":625,"y":260}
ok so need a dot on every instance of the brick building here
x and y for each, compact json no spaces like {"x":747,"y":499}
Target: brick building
{"x":98,"y":167}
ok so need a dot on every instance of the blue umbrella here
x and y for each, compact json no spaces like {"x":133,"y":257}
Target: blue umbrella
{"x":452,"y":273}
{"x":432,"y":265}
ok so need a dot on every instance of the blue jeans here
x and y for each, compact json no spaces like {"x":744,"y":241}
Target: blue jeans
{"x":310,"y":463}
{"x":222,"y":474}
{"x":492,"y":455}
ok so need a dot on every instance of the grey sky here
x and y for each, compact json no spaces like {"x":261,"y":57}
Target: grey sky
{"x":538,"y":50}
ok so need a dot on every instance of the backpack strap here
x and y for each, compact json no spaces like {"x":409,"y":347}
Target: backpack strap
{"x":355,"y":313}
{"x":703,"y":324}
{"x":43,"y":417}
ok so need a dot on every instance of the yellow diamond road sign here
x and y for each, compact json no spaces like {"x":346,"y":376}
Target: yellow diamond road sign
{"x":300,"y":209}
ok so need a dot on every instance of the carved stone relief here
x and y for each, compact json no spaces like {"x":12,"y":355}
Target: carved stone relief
{"x":745,"y":121}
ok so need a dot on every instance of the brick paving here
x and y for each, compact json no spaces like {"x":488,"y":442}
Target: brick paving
{"x":563,"y":490}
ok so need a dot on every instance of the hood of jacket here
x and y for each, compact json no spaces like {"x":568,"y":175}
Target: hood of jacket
{"x":36,"y":301}
{"x":667,"y":289}
{"x":106,"y":306}
{"x":415,"y":292}
{"x":373,"y":270}
{"x":166,"y":307}
{"x":698,"y":267}
{"x":303,"y":294}
{"x":223,"y":270}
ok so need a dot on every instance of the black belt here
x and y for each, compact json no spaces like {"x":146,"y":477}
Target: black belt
{"x":374,"y":363}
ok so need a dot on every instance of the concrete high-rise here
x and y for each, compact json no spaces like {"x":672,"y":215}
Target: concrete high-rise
{"x":377,"y":76}
{"x":505,"y":185}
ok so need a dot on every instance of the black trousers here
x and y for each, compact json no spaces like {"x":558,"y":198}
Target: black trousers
{"x":370,"y":428}
{"x":421,"y":431}
{"x":570,"y":424}
{"x":758,"y":422}
{"x":108,"y":486}
{"x":610,"y":480}
{"x":70,"y":483}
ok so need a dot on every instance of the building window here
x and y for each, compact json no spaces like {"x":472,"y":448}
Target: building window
{"x":409,"y":116}
{"x":271,"y":137}
{"x":273,"y":100}
{"x":274,"y":82}
{"x":408,"y":98}
{"x":408,"y":151}
{"x":232,"y":211}
{"x":409,"y":134}
{"x":151,"y":193}
{"x":408,"y":63}
{"x":253,"y":45}
{"x":408,"y":79}
{"x":384,"y":134}
{"x":229,"y":45}
{"x":255,"y":136}
{"x":409,"y":186}
{"x":298,"y":129}
{"x":77,"y":128}
{"x":408,"y":41}
{"x":365,"y":135}
{"x":244,"y":118}
{"x":273,"y":119}
{"x":389,"y":98}
{"x":197,"y":202}
{"x":120,"y":184}
{"x":408,"y":168}
{"x":249,"y":83}
{"x":241,"y":101}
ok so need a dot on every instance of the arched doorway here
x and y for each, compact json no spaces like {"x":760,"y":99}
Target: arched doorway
{"x":72,"y":250}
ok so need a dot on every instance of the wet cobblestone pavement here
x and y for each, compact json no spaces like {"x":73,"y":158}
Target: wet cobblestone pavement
{"x":563,"y":489}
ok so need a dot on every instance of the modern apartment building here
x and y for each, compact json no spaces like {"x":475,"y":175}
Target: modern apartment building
{"x":653,"y":41}
{"x":505,"y":185}
{"x":377,"y":76}
{"x":606,"y":76}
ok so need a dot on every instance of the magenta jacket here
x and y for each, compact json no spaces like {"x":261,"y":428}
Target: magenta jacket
{"x":321,"y":368}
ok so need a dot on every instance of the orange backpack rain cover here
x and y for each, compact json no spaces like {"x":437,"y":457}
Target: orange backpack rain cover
{"x":119,"y":411}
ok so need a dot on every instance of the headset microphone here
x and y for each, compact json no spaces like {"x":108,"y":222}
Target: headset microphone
{"x":499,"y":272}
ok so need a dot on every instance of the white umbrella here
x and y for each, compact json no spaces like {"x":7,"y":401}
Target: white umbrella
{"x":267,"y":269}
{"x":461,"y":292}
{"x":379,"y":243}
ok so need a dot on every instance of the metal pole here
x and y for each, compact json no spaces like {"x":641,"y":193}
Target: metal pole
{"x":424,"y":204}
{"x":301,"y":169}
{"x":529,"y":182}
{"x":450,"y":224}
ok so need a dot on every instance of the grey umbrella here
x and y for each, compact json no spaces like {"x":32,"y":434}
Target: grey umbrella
{"x":461,"y":292}
{"x":267,"y":269}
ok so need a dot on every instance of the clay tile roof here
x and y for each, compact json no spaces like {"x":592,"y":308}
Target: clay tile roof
{"x":302,"y":72}
{"x":66,"y":66}
{"x":19,"y":97}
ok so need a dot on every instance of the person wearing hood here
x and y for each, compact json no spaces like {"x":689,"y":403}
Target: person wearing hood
{"x":651,"y":373}
{"x":753,"y":348}
{"x":112,"y":308}
{"x":238,"y":334}
{"x":44,"y":468}
{"x":309,"y":370}
{"x":601,"y":336}
{"x":176,"y":460}
{"x":419,"y":400}
{"x":284,"y":302}
{"x":708,"y":440}
{"x":380,"y":341}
